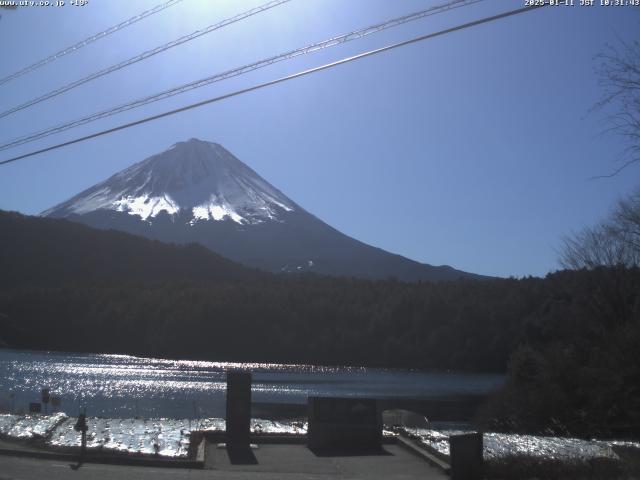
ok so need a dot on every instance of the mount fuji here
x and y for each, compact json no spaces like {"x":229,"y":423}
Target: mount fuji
{"x":197,"y":191}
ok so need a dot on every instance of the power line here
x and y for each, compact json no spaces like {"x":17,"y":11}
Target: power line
{"x":143,"y":56}
{"x":280,"y":80}
{"x":86,"y":41}
{"x":237,"y":71}
{"x":356,"y":34}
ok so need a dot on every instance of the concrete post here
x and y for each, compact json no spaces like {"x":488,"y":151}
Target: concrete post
{"x":466,"y":456}
{"x":238,"y":409}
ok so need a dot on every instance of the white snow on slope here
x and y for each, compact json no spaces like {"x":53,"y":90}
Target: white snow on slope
{"x":146,"y":207}
{"x":198,"y":179}
{"x":215,"y":212}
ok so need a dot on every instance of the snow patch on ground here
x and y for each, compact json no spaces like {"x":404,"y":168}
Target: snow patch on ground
{"x":160,"y":436}
{"x":171,"y":437}
{"x":502,"y":445}
{"x":29,"y":426}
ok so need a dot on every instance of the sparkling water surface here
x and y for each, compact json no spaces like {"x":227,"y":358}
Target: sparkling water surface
{"x":126,"y":386}
{"x":151,"y":406}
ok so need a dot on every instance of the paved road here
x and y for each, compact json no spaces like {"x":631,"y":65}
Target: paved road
{"x":273,"y":462}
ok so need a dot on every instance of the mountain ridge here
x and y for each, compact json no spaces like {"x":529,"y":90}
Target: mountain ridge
{"x":198,"y":191}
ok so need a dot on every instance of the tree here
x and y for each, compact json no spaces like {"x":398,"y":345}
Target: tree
{"x":615,"y":241}
{"x":627,"y":221}
{"x":612,"y":243}
{"x":619,"y":76}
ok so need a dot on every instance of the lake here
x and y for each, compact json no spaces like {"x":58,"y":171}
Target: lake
{"x":126,"y":386}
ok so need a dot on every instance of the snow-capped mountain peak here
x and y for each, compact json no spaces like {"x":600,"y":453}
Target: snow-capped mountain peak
{"x":198,"y":192}
{"x":199,"y":180}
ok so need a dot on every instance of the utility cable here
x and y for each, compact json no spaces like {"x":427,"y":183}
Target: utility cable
{"x":279,"y":80}
{"x":87,"y":41}
{"x":143,"y":56}
{"x":356,"y":34}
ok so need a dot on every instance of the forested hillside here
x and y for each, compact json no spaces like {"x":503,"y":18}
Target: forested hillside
{"x":570,"y":341}
{"x":69,"y":287}
{"x":47,"y":252}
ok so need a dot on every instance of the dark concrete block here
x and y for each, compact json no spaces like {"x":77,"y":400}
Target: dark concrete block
{"x":238,"y":409}
{"x":466,"y":456}
{"x":344,"y":424}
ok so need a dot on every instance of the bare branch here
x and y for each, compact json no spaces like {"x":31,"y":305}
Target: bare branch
{"x":614,"y":242}
{"x":619,"y":76}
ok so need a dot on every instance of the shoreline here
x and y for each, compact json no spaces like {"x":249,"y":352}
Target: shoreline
{"x":132,"y":442}
{"x":174,"y":438}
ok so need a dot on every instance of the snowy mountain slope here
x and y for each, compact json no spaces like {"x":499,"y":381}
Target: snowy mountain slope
{"x":202,"y":178}
{"x":199,"y":192}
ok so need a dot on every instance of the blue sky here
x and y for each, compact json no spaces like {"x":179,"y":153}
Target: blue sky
{"x":474,"y":149}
